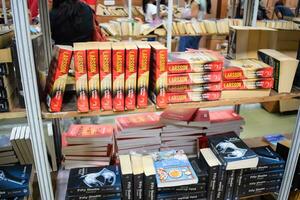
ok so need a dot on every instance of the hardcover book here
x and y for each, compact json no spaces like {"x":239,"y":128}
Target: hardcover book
{"x":186,"y":97}
{"x":178,"y":116}
{"x":173,"y":169}
{"x":248,"y":84}
{"x":138,"y":176}
{"x":205,"y":87}
{"x":127,"y":177}
{"x":94,"y":180}
{"x":57,"y":77}
{"x":194,"y":78}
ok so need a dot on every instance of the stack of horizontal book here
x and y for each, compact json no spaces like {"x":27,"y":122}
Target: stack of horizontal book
{"x":87,"y":145}
{"x":16,"y":182}
{"x":138,"y":133}
{"x":7,"y":153}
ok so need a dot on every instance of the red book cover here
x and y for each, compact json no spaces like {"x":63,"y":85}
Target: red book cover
{"x":93,"y":75}
{"x":89,"y":131}
{"x":143,"y":74}
{"x":159,"y":74}
{"x":246,"y":69}
{"x":194,"y":78}
{"x":80,"y":66}
{"x":205,"y":87}
{"x":248,"y":84}
{"x":105,"y":75}
{"x":178,"y":114}
{"x":130,"y":76}
{"x":220,"y":116}
{"x":57,"y":77}
{"x":139,"y":121}
{"x":202,"y":116}
{"x":118,"y":63}
{"x":186,"y":97}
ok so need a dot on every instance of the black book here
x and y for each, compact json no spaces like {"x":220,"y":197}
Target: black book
{"x":268,"y":160}
{"x":200,"y":168}
{"x":232,"y":151}
{"x":15,"y":181}
{"x":95,"y":197}
{"x":221,"y":182}
{"x":149,"y":178}
{"x":273,"y":182}
{"x":230,"y":185}
{"x":94,"y":180}
{"x":237,"y":184}
{"x":263,"y":176}
{"x":3,"y":93}
{"x":1,"y":82}
{"x":214,"y":164}
{"x":180,"y":195}
{"x":4,"y":106}
{"x":259,"y":190}
{"x":138,"y":176}
{"x":3,"y":69}
{"x":127,"y":177}
{"x":201,"y":187}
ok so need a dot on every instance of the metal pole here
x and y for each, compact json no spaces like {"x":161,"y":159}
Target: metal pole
{"x":291,"y":162}
{"x":250,"y":12}
{"x":29,"y":81}
{"x":130,"y":9}
{"x":254,"y":13}
{"x":4,"y":12}
{"x":46,"y":29}
{"x":169,"y":26}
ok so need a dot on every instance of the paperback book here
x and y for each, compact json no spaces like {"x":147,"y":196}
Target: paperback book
{"x":248,"y":84}
{"x":194,"y":78}
{"x":206,"y":87}
{"x":186,"y":97}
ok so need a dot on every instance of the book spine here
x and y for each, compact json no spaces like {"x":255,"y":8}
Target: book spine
{"x":194,"y":78}
{"x":206,"y":87}
{"x":248,"y":84}
{"x":4,"y":106}
{"x":93,"y":79}
{"x":138,"y":187}
{"x":94,"y":191}
{"x":237,"y":184}
{"x":229,"y":185}
{"x":263,"y":176}
{"x":261,"y":183}
{"x":94,"y":197}
{"x":176,"y":68}
{"x":17,"y":192}
{"x":258,"y":190}
{"x":3,"y":69}
{"x":57,"y":79}
{"x":186,"y":97}
{"x":149,"y":187}
{"x":80,"y":66}
{"x":143,"y":77}
{"x":189,"y":188}
{"x":105,"y":79}
{"x":118,"y":79}
{"x":263,"y":168}
{"x":127,"y":187}
{"x":238,"y":73}
{"x":213,"y":175}
{"x":131,"y":79}
{"x":221,"y":182}
{"x":181,"y":196}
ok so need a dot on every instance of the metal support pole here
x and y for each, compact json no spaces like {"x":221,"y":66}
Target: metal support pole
{"x":237,"y":109}
{"x":291,"y":162}
{"x":250,"y":12}
{"x":169,"y":25}
{"x":4,"y":12}
{"x":29,"y":81}
{"x":46,"y":30}
{"x":129,"y":9}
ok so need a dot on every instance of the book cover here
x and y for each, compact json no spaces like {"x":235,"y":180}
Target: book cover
{"x":5,"y":144}
{"x":149,"y":178}
{"x":230,"y":185}
{"x":205,"y":87}
{"x":93,"y":75}
{"x":143,"y":74}
{"x":15,"y":181}
{"x":178,"y":116}
{"x":105,"y":58}
{"x":173,"y":169}
{"x":57,"y":77}
{"x":80,"y":67}
{"x":201,"y":119}
{"x":194,"y":78}
{"x":232,"y":151}
{"x":138,"y":176}
{"x":223,"y":116}
{"x":248,"y":84}
{"x":274,"y":139}
{"x":118,"y":69}
{"x":201,"y":170}
{"x":127,"y":177}
{"x":131,"y":76}
{"x":179,"y":195}
{"x":94,"y":180}
{"x":186,"y":97}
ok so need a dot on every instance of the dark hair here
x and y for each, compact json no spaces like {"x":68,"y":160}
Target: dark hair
{"x":67,"y":7}
{"x":208,"y":6}
{"x":145,"y":2}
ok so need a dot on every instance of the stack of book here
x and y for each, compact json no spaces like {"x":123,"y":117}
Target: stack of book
{"x":94,"y":183}
{"x":16,"y":182}
{"x":87,"y":145}
{"x":7,"y":153}
{"x":194,"y":76}
{"x":278,"y":24}
{"x":138,"y":133}
{"x":119,"y":11}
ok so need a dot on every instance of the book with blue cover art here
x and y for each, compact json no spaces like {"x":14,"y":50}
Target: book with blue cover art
{"x":173,"y":169}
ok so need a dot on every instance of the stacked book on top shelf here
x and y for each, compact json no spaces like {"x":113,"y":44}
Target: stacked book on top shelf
{"x":244,"y":76}
{"x":87,"y":145}
{"x":194,"y":76}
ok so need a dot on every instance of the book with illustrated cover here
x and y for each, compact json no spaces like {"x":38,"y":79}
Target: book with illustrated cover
{"x":57,"y":77}
{"x":274,"y":138}
{"x":194,"y":78}
{"x":149,"y":178}
{"x":127,"y":177}
{"x":138,"y":176}
{"x":173,"y":169}
{"x":178,"y":116}
{"x":232,"y":151}
{"x":94,"y":180}
{"x":205,"y":87}
{"x":186,"y":97}
{"x":248,"y":84}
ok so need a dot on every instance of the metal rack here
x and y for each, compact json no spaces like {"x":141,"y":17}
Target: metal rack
{"x":34,"y":114}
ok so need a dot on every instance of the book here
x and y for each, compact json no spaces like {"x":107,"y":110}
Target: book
{"x":80,"y":67}
{"x":194,"y":78}
{"x":259,"y":190}
{"x":274,"y":139}
{"x":224,"y":117}
{"x":230,"y":185}
{"x":15,"y":131}
{"x":179,"y":196}
{"x":5,"y":144}
{"x":179,"y":116}
{"x":57,"y":77}
{"x":94,"y":180}
{"x":200,"y":169}
{"x":248,"y":84}
{"x":173,"y":169}
{"x":127,"y":177}
{"x":221,"y":181}
{"x":112,"y":196}
{"x":201,"y":187}
{"x":149,"y":178}
{"x":201,"y":119}
{"x":232,"y":151}
{"x":205,"y":87}
{"x":263,"y":176}
{"x":138,"y":176}
{"x":185,"y":97}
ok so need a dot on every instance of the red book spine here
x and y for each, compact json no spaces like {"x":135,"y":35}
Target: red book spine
{"x":237,"y":73}
{"x":185,"y":67}
{"x":194,"y":78}
{"x":248,"y":84}
{"x":80,"y":66}
{"x":118,"y":79}
{"x":105,"y":79}
{"x":206,"y":87}
{"x":131,"y":78}
{"x":143,"y":77}
{"x":93,"y":79}
{"x":57,"y":78}
{"x":186,"y":97}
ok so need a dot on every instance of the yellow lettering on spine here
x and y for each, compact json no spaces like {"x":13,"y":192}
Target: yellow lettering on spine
{"x":233,"y":85}
{"x":131,"y":61}
{"x":176,"y":68}
{"x":93,"y":64}
{"x":105,"y":62}
{"x":64,"y":62}
{"x":80,"y":62}
{"x":178,"y":80}
{"x":162,"y":63}
{"x":233,"y":75}
{"x":178,"y":97}
{"x":144,"y":64}
{"x":119,"y":63}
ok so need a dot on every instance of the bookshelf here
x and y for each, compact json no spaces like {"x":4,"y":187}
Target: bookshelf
{"x":15,"y":113}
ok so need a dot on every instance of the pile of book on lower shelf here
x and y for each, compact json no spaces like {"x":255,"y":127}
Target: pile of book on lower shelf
{"x":16,"y":182}
{"x":7,"y":153}
{"x":87,"y":145}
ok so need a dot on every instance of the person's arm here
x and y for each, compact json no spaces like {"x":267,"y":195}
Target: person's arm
{"x":195,"y":10}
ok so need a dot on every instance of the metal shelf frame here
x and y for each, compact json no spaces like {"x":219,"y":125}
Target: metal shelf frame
{"x":33,"y":108}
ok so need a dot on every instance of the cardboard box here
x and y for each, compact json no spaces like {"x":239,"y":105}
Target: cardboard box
{"x":144,"y":51}
{"x":105,"y":59}
{"x":288,"y":40}
{"x":194,"y":78}
{"x":248,"y":84}
{"x":80,"y":68}
{"x":131,"y":75}
{"x":186,"y":97}
{"x":284,"y":68}
{"x":235,"y":94}
{"x":244,"y":41}
{"x":5,"y":55}
{"x":118,"y":71}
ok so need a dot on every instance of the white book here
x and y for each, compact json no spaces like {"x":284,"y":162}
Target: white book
{"x":14,"y":131}
{"x":88,"y":158}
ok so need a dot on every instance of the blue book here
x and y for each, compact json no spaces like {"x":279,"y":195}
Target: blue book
{"x":274,"y":139}
{"x":173,"y":169}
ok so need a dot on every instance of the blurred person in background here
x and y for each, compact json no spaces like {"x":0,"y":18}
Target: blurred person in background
{"x":150,"y":11}
{"x":282,"y":11}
